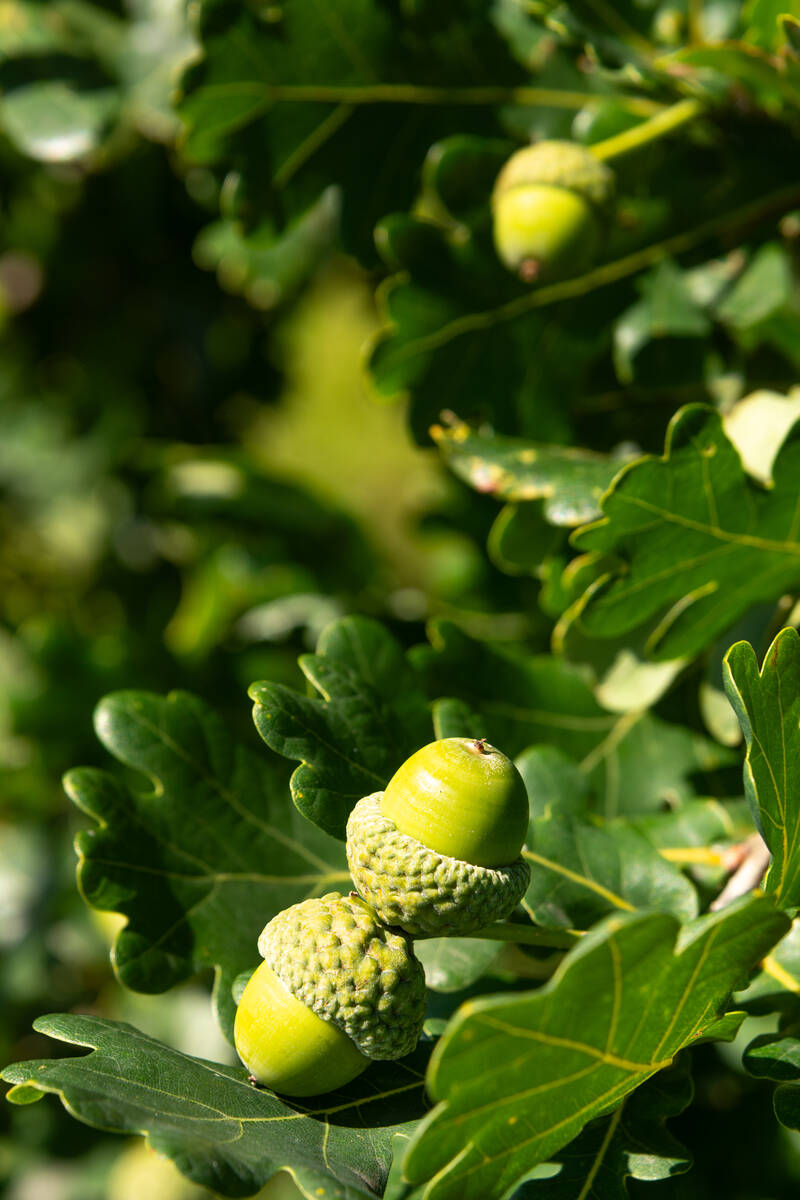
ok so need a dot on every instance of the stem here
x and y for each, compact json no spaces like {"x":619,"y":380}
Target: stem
{"x":410,"y":93}
{"x":656,"y":127}
{"x":528,"y":935}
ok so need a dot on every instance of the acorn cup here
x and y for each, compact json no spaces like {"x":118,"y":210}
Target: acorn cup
{"x":549,"y":207}
{"x":335,"y":991}
{"x":438,"y":853}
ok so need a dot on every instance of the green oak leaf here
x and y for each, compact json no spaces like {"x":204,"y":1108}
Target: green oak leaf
{"x":371,"y":717}
{"x":267,"y":269}
{"x":309,"y":101}
{"x":453,"y":963}
{"x":690,"y":540}
{"x":569,"y":480}
{"x":523,"y":542}
{"x":460,"y":333}
{"x":582,"y":871}
{"x":767,"y":703}
{"x":776,"y":986}
{"x":776,"y":1055}
{"x":698,"y":823}
{"x":516,"y":1078}
{"x":634,"y":761}
{"x":203,"y":857}
{"x":631,"y":1143}
{"x":763,"y":289}
{"x":220,"y":1131}
{"x":666,"y":310}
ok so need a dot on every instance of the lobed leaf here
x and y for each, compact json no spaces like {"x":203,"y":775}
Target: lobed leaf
{"x":371,"y":717}
{"x":690,"y":540}
{"x":220,"y":1131}
{"x":582,"y":871}
{"x":316,"y":98}
{"x":776,"y":1055}
{"x":634,"y":760}
{"x":201,"y":860}
{"x":631,"y":1143}
{"x":516,"y":1079}
{"x":767,"y":703}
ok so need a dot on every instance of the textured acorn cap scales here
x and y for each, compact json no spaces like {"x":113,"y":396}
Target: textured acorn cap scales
{"x":559,"y":164}
{"x":333,"y":954}
{"x":426,"y":893}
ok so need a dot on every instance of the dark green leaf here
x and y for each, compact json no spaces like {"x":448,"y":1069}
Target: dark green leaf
{"x":454,"y":963}
{"x":547,"y":1063}
{"x":267,"y":268}
{"x":666,"y":310}
{"x":695,"y":541}
{"x":776,"y":1056}
{"x":632,"y":1143}
{"x":222,"y":1132}
{"x":775,"y":988}
{"x":764,"y":288}
{"x":350,"y":742}
{"x":522,"y":542}
{"x":581,"y":871}
{"x":767,"y":703}
{"x":634,"y":761}
{"x":461,"y":334}
{"x":317,"y":99}
{"x":204,"y":857}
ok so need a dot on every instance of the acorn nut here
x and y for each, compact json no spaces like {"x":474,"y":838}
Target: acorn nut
{"x":548,"y":206}
{"x":336,"y":990}
{"x":438,"y":853}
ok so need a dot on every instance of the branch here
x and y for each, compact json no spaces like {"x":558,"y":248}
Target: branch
{"x":411,"y":93}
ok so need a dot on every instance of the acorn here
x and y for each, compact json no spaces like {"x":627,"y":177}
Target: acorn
{"x":335,"y":990}
{"x":439,"y":851}
{"x":548,"y":205}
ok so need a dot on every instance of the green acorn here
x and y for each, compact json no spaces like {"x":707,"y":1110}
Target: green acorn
{"x":336,"y":990}
{"x":548,"y":206}
{"x":438,"y":853}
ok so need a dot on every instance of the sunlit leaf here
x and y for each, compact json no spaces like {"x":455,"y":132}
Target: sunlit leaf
{"x":635,"y":762}
{"x":371,"y":716}
{"x":516,"y":1078}
{"x":201,"y":858}
{"x":632,"y":1143}
{"x":691,"y":540}
{"x":221,"y":1131}
{"x":582,"y":871}
{"x":54,"y":123}
{"x":569,"y":480}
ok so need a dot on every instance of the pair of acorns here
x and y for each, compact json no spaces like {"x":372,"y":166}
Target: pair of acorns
{"x":436,"y":854}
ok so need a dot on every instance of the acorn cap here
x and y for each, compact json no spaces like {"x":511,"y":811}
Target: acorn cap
{"x":334,"y":955}
{"x":423,"y":892}
{"x":559,"y":164}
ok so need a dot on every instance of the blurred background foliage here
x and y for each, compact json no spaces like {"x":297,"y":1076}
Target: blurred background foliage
{"x":197,"y":472}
